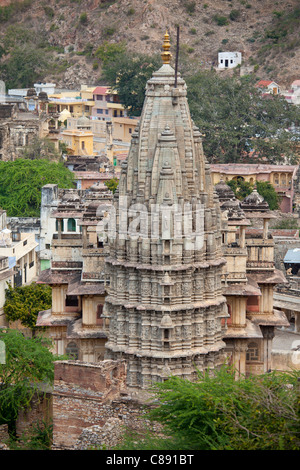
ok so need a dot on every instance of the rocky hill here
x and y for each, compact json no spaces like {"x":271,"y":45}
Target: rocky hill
{"x":265,"y":31}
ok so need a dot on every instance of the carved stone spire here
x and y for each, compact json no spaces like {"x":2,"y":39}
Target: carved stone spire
{"x":165,"y":304}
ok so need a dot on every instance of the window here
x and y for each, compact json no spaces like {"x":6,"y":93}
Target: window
{"x":71,"y":301}
{"x":99,"y":97}
{"x":71,"y":225}
{"x":106,"y":111}
{"x":72,"y":350}
{"x":252,"y":352}
{"x":71,"y":109}
{"x":82,"y":145}
{"x":130,"y":130}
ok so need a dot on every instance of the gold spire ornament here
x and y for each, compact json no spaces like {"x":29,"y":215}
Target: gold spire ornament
{"x":166,"y":54}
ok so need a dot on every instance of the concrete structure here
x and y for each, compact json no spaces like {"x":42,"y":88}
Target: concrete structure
{"x":165,"y":303}
{"x":229,"y":60}
{"x":282,"y":177}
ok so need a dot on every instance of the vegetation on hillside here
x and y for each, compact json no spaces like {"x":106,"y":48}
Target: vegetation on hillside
{"x":239,"y":124}
{"x":21,"y":182}
{"x":128,"y":74}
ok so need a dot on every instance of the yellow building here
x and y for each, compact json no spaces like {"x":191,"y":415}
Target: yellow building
{"x":77,"y":103}
{"x":123,"y":128}
{"x":78,"y":142}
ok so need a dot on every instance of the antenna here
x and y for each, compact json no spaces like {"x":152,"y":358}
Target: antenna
{"x":177,"y":53}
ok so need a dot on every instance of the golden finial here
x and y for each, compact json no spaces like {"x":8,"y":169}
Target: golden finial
{"x":166,"y":54}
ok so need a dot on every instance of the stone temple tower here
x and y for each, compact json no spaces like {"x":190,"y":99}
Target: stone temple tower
{"x":165,"y":307}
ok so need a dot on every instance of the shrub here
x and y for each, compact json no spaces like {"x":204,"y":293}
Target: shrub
{"x":83,"y":19}
{"x":220,"y":20}
{"x":234,"y":15}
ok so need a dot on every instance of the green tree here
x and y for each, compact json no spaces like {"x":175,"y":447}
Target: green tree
{"x":238,"y":123}
{"x":24,"y":65}
{"x":128,"y":74}
{"x":25,"y":302}
{"x":242,"y":188}
{"x":110,"y":51}
{"x":112,"y":184}
{"x":41,"y":149}
{"x":220,"y":412}
{"x":28,"y":364}
{"x":21,"y":182}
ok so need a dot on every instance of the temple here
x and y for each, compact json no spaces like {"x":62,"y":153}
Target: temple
{"x":165,"y":306}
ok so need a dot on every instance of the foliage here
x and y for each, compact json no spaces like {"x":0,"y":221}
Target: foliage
{"x":267,"y":191}
{"x":21,"y":182}
{"x":40,"y":149}
{"x":110,"y":51}
{"x":83,"y":19}
{"x":220,"y":412}
{"x":24,"y":65}
{"x":28,"y":364}
{"x":238,"y":123}
{"x":112,"y":184}
{"x":242,"y":188}
{"x":220,"y":20}
{"x":289,"y":223}
{"x":38,"y":438}
{"x":25,"y":302}
{"x":128,"y":74}
{"x":13,"y":9}
{"x":234,"y":15}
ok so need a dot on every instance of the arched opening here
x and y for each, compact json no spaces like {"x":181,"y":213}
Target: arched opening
{"x":71,"y":225}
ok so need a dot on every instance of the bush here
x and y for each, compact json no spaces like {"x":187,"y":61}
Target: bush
{"x":234,"y":15}
{"x":83,"y":19}
{"x":220,"y":20}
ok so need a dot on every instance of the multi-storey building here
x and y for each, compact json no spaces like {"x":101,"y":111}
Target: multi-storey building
{"x":249,"y":279}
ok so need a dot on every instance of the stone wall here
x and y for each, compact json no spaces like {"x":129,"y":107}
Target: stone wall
{"x":91,"y":406}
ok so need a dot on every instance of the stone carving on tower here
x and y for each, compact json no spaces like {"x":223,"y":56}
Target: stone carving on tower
{"x":165,"y":304}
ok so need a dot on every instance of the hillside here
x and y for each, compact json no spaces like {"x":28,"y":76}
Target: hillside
{"x":266,"y":32}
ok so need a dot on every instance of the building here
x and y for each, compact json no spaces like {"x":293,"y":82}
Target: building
{"x":229,"y":60}
{"x":18,"y":259}
{"x":106,"y":104}
{"x":282,"y":178}
{"x":164,"y":303}
{"x":76,"y":274}
{"x":268,"y":87}
{"x":78,"y":141}
{"x":249,"y":281}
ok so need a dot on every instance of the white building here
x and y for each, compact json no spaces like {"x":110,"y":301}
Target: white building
{"x":48,"y":88}
{"x":229,"y":60}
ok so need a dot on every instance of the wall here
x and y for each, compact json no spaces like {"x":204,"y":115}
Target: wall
{"x":89,"y":396}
